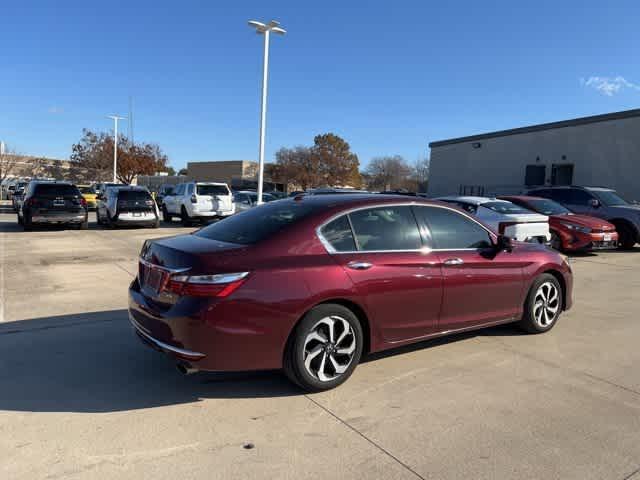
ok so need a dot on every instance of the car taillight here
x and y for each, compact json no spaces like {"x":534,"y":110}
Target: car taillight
{"x":148,"y":202}
{"x":220,"y":285}
{"x":194,"y":199}
{"x":83,"y":202}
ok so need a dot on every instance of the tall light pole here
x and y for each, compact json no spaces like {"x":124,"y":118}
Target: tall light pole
{"x":262,"y":29}
{"x":115,"y":119}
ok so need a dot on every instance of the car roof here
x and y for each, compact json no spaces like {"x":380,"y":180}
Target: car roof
{"x":340,"y":201}
{"x":470,"y":199}
{"x":523,"y":198}
{"x":579,"y":187}
{"x":209,"y":183}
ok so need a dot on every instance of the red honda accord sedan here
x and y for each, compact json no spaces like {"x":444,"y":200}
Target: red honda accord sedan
{"x":570,"y":232}
{"x":312,"y":283}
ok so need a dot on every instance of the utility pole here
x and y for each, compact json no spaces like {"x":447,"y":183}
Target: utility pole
{"x":115,"y":119}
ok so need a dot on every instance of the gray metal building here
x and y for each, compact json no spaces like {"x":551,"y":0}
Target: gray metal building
{"x":599,"y":150}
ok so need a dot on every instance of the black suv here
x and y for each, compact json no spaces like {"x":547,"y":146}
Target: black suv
{"x":599,"y":202}
{"x":53,"y":202}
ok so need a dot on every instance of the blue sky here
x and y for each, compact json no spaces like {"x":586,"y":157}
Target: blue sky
{"x":387,"y":76}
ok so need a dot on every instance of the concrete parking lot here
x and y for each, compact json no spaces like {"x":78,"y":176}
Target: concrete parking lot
{"x":80,"y":397}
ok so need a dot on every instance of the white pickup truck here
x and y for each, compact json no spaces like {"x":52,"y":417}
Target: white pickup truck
{"x":506,"y":218}
{"x":198,"y":201}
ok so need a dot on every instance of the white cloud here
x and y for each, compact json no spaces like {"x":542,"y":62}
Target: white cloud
{"x":54,"y":110}
{"x":609,"y":86}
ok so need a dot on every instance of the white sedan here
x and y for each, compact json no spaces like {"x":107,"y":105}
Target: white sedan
{"x":505,"y":217}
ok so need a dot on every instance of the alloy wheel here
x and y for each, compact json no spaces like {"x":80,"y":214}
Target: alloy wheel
{"x":546,"y":304}
{"x":329,"y":348}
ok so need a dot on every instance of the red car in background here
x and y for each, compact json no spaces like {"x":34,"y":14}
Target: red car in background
{"x":312,"y":283}
{"x":570,"y":232}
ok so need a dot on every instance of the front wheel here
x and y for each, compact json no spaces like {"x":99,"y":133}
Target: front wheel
{"x":543,"y":305}
{"x":324,"y":349}
{"x":626,"y":237}
{"x":556,"y":242}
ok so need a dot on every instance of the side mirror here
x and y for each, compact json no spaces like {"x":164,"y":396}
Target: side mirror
{"x":594,"y":203}
{"x":504,"y":243}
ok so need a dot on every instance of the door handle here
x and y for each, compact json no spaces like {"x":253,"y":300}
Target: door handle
{"x":453,"y":261}
{"x":359,"y":265}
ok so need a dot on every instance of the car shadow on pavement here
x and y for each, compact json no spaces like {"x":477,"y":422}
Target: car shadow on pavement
{"x":93,"y":362}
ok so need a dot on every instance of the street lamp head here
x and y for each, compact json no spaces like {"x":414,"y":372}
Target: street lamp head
{"x":272,"y":26}
{"x":116,"y":117}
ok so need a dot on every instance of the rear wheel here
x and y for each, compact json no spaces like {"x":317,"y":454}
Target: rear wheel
{"x":543,"y":305}
{"x":156,"y":224}
{"x":626,"y":237}
{"x":324,"y":349}
{"x":184,"y":216}
{"x":166,"y":217}
{"x":19,"y":219}
{"x":84,"y":225}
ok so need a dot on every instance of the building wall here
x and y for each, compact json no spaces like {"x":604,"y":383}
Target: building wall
{"x":605,"y":153}
{"x":223,"y":171}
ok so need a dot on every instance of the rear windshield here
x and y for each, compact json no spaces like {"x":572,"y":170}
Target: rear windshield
{"x":86,"y":190}
{"x":507,"y":208}
{"x":56,"y":190}
{"x":256,"y":224}
{"x":212,"y":190}
{"x":133,"y":195}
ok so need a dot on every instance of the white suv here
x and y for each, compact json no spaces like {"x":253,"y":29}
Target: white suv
{"x":198,"y":201}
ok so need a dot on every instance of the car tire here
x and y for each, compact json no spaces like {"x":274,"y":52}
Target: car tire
{"x":311,"y":353}
{"x":156,"y":224}
{"x":184,"y":216}
{"x":98,"y":219}
{"x":84,"y":225}
{"x":626,"y":237}
{"x":166,"y":217}
{"x":543,"y":305}
{"x":27,"y":225}
{"x":19,"y":219}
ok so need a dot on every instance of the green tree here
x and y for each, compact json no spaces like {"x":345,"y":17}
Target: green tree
{"x":337,"y":165}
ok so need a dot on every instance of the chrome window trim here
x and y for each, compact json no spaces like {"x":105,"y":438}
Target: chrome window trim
{"x":332,"y":251}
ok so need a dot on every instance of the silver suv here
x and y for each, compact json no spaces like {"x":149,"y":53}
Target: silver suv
{"x":599,"y":202}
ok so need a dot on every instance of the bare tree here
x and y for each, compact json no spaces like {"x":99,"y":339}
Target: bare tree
{"x":421,"y":173}
{"x":389,"y":173}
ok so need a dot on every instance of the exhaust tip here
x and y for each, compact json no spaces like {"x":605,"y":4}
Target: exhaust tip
{"x":186,"y":369}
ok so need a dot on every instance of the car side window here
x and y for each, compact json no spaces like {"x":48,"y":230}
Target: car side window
{"x":338,"y":233}
{"x":180,"y":189}
{"x":386,"y":228}
{"x":190,"y":189}
{"x":452,"y":231}
{"x":578,"y":197}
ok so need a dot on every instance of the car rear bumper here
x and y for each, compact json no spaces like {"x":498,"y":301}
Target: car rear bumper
{"x":208,"y":334}
{"x":59,"y":217}
{"x":130,"y":219}
{"x":211,"y":213}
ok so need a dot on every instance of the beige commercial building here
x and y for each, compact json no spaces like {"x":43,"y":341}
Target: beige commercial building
{"x":600,"y":150}
{"x":237,"y":173}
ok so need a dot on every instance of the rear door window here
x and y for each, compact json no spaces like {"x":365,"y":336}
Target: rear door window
{"x":339,"y":235}
{"x":386,"y":228}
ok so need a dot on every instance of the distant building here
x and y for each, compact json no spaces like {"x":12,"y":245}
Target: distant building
{"x":599,"y":150}
{"x":238,"y":174}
